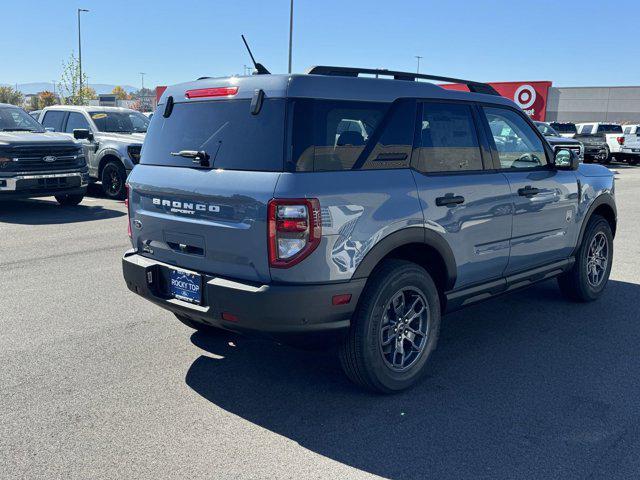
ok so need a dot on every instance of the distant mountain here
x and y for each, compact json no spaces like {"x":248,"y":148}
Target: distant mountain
{"x":35,"y":87}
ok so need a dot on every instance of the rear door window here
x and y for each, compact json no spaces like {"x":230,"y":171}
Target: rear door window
{"x":226,"y":130}
{"x":609,"y":128}
{"x":333,"y":135}
{"x":53,"y":119}
{"x":448,"y":139}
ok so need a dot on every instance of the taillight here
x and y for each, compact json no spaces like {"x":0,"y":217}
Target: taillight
{"x":294,"y":231}
{"x":127,"y":203}
{"x":620,"y":140}
{"x":211,"y":92}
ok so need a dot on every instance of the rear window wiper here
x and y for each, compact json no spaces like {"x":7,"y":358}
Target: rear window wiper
{"x":200,"y":156}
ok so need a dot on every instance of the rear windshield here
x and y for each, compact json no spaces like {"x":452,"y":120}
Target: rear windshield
{"x":120,"y":122}
{"x":564,"y":127}
{"x":233,"y":138}
{"x":607,"y":128}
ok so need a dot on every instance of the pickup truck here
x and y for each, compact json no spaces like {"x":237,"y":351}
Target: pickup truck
{"x":558,"y":142}
{"x":631,"y":147}
{"x":36,"y":163}
{"x":602,"y":141}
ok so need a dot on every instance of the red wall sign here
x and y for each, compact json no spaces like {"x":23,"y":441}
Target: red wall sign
{"x":530,"y":96}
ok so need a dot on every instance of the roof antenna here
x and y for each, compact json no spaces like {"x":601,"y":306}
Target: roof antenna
{"x":260,"y":70}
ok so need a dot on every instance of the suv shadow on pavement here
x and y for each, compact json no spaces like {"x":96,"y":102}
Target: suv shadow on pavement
{"x":44,"y":212}
{"x":526,"y":385}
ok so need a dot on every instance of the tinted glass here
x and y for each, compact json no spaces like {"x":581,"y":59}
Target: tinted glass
{"x":16,"y":119}
{"x":53,"y":119}
{"x":586,"y":129}
{"x":225,"y":129}
{"x":564,"y":127}
{"x":120,"y":122}
{"x":546,"y":130}
{"x":517,"y":143}
{"x":609,"y":128}
{"x":448,"y":139}
{"x":76,"y":120}
{"x":332,"y":135}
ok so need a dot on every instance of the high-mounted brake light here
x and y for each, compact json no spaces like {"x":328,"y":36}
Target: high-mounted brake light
{"x":294,"y":231}
{"x":211,"y":92}
{"x":620,"y":140}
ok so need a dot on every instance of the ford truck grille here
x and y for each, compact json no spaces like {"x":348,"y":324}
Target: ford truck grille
{"x":41,"y":158}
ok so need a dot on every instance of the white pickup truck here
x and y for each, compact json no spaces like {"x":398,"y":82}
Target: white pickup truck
{"x":631,"y":147}
{"x":606,"y":136}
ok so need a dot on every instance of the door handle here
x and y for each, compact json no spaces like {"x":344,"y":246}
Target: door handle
{"x":449,"y":200}
{"x":528,"y":191}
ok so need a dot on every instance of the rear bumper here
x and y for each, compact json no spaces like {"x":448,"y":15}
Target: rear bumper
{"x":274,"y":310}
{"x":43,"y":184}
{"x":631,"y":151}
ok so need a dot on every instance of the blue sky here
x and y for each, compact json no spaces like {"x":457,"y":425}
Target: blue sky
{"x":572,"y":43}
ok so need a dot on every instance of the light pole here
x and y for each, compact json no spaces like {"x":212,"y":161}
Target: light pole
{"x":142,"y":74}
{"x":80,"y":50}
{"x":290,"y":34}
{"x":418,"y":57}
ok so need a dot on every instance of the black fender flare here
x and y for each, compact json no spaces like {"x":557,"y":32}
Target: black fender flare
{"x":408,"y":236}
{"x":107,"y":152}
{"x":603,"y":199}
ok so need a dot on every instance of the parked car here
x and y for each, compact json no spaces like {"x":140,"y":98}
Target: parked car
{"x":631,"y":147}
{"x":602,"y":141}
{"x":565,"y":129}
{"x":35,"y":163}
{"x":558,"y":142}
{"x":249,"y":212}
{"x":112,"y":137}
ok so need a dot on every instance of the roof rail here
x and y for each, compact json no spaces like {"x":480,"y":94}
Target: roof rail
{"x":476,"y":87}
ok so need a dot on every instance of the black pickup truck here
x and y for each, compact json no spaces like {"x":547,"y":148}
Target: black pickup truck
{"x":36,"y":163}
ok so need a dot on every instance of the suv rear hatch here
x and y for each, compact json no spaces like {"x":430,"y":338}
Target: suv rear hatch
{"x":209,"y":214}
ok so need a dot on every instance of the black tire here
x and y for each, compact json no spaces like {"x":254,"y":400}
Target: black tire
{"x":113,"y":180}
{"x":362,"y":353}
{"x":576,"y":284}
{"x":607,"y":158}
{"x":201,"y":327}
{"x":633,"y":159}
{"x":69,"y":200}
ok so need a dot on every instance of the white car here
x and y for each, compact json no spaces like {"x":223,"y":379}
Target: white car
{"x":631,"y":147}
{"x":611,"y":132}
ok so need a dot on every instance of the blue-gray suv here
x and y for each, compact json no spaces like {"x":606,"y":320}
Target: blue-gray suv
{"x":356,"y":205}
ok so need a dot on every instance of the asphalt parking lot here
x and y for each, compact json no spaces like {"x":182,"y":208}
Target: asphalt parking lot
{"x":98,"y":383}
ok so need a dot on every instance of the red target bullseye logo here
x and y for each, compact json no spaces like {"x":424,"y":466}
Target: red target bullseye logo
{"x":525,"y":96}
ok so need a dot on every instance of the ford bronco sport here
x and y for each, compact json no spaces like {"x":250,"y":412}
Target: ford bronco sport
{"x":360,"y":206}
{"x":35,"y":163}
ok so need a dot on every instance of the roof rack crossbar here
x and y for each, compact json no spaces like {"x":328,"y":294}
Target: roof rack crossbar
{"x":476,"y":87}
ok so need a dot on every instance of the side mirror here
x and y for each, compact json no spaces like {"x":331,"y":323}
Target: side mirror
{"x":566,"y":159}
{"x":82,"y":134}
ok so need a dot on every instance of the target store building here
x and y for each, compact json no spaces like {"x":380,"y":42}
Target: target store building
{"x":542,"y":101}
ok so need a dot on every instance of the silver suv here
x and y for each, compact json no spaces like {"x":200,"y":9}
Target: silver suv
{"x":112,"y":139}
{"x":358,"y":209}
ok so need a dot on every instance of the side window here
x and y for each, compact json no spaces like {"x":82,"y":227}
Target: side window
{"x":76,"y":120}
{"x":53,"y":119}
{"x":340,"y":135}
{"x":517,"y":144}
{"x":586,"y":129}
{"x":448,"y":139}
{"x":627,"y":130}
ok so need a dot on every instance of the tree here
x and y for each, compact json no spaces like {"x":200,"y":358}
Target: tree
{"x":46,"y":99}
{"x":34,"y":103}
{"x":120,"y":93}
{"x":69,"y":85}
{"x":11,"y":95}
{"x":142,"y":92}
